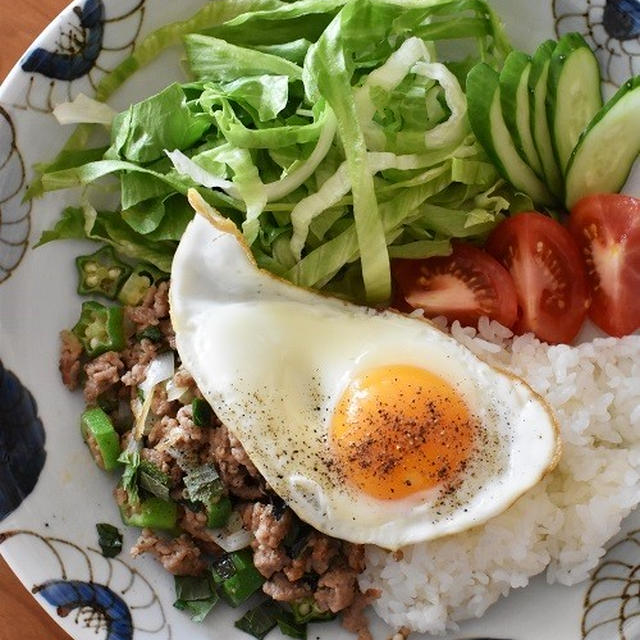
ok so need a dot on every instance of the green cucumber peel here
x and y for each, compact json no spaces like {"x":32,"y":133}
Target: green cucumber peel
{"x":539,"y":125}
{"x":573,"y":94}
{"x":485,"y":115}
{"x":607,"y":149}
{"x":514,"y":98}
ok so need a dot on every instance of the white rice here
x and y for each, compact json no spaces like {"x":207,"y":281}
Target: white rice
{"x":563,"y":523}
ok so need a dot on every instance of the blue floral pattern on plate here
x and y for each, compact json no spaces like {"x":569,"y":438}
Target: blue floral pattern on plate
{"x":109,"y":609}
{"x":22,"y":437}
{"x":612,"y":27}
{"x":77,"y":54}
{"x":105,"y":594}
{"x":90,"y":44}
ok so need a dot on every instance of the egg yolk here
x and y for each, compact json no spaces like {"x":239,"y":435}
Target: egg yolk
{"x":399,"y":430}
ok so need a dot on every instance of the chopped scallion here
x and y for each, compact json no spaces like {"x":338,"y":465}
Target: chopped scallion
{"x":153,"y":480}
{"x":203,"y":483}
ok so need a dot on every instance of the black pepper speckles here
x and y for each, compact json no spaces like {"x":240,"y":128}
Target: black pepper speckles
{"x":285,"y":443}
{"x":486,"y":464}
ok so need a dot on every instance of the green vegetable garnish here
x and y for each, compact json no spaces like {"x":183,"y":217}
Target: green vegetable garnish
{"x":236,"y":576}
{"x":203,"y":484}
{"x":153,"y":480}
{"x":134,"y":289}
{"x":130,"y":458}
{"x":259,"y":621}
{"x":152,"y":513}
{"x":218,"y":512}
{"x":109,"y":539}
{"x":289,"y":626}
{"x":201,"y":412}
{"x":307,"y":610}
{"x":101,"y":273}
{"x":196,"y":595}
{"x":326,"y":130}
{"x":151,"y":332}
{"x":100,"y":329}
{"x":99,"y":433}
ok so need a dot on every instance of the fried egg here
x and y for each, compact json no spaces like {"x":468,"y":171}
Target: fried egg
{"x":373,"y":426}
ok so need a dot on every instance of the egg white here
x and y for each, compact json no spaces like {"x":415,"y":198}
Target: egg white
{"x":273,"y":359}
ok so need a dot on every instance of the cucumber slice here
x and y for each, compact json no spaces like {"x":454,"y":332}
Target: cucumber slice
{"x":485,"y":116}
{"x":606,"y":151}
{"x":573,"y":94}
{"x":514,"y":97}
{"x":539,"y":125}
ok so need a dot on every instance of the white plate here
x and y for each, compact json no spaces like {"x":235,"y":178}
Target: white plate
{"x":51,"y":495}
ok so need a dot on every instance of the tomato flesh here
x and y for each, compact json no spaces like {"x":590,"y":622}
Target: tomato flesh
{"x":463,"y":286}
{"x":548,"y":273}
{"x":607,"y":229}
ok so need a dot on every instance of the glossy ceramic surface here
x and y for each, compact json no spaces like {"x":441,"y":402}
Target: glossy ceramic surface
{"x":51,"y":495}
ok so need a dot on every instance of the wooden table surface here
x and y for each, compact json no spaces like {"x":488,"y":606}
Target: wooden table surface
{"x":21,"y":617}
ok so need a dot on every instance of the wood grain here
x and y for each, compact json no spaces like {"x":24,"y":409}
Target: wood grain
{"x":20,"y":22}
{"x":21,"y":617}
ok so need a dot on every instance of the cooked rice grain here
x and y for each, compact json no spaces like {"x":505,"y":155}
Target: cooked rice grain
{"x":561,"y":524}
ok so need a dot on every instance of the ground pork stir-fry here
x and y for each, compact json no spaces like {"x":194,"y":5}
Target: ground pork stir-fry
{"x":298,"y":563}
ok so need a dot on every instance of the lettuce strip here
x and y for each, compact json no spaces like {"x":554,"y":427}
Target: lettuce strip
{"x":328,"y":61}
{"x":215,"y":59}
{"x":319,"y":266}
{"x":336,"y":187}
{"x":213,"y":13}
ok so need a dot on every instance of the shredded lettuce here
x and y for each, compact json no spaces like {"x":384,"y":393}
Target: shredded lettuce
{"x":305,"y":168}
{"x":332,"y":132}
{"x":328,"y":73}
{"x":213,"y":13}
{"x":109,"y":228}
{"x":83,"y":109}
{"x":188,"y":167}
{"x":137,"y":136}
{"x":267,"y":94}
{"x":214,"y":59}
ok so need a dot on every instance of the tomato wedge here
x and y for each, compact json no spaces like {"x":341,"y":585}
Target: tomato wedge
{"x":548,"y":273}
{"x":463,"y":286}
{"x":607,"y":229}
